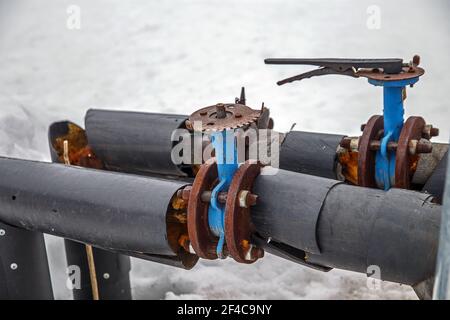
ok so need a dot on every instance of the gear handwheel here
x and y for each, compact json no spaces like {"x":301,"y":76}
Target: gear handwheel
{"x":224,"y":116}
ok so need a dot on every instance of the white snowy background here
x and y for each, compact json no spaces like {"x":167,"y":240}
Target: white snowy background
{"x":177,"y":56}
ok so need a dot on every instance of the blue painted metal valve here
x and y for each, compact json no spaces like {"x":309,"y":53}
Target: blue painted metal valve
{"x":221,"y":122}
{"x":224,"y":144}
{"x":393,"y":75}
{"x":393,"y":111}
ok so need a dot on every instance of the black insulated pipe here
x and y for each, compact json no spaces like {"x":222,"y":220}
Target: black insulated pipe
{"x":310,"y":153}
{"x":355,"y":228}
{"x":332,"y":224}
{"x":436,"y":182}
{"x":118,"y":212}
{"x":140,"y":142}
{"x":134,"y":142}
{"x":112,"y":269}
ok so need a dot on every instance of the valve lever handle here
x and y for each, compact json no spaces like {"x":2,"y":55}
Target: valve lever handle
{"x":389,"y":66}
{"x":338,"y":66}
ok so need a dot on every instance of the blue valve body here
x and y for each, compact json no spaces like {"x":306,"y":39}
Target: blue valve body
{"x":224,"y":144}
{"x":393,"y":113}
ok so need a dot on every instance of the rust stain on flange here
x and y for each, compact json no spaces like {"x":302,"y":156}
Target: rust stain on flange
{"x":412,"y":130}
{"x":202,"y":240}
{"x":238,"y":225}
{"x":366,"y":157}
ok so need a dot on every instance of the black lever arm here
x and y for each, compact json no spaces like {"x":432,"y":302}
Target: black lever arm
{"x":389,"y":66}
{"x":318,"y":72}
{"x":346,"y":67}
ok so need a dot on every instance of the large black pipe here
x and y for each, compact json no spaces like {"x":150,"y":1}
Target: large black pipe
{"x":24,"y":271}
{"x":112,"y":269}
{"x":348,"y":227}
{"x":118,"y":212}
{"x":310,"y":153}
{"x":436,"y":182}
{"x":140,"y":142}
{"x":135,"y":142}
{"x":328,"y":223}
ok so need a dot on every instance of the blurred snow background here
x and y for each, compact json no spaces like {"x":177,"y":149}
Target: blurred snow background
{"x":177,"y":56}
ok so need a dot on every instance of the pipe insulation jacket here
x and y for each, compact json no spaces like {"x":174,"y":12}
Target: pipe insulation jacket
{"x":140,"y":142}
{"x":109,"y":210}
{"x":355,"y":228}
{"x":116,"y":267}
{"x":134,"y":142}
{"x":310,"y":153}
{"x":336,"y":225}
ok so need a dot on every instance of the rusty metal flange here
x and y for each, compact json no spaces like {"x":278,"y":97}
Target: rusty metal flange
{"x":223,"y":116}
{"x":412,"y":130}
{"x":238,"y":225}
{"x":366,"y":157}
{"x":202,"y":240}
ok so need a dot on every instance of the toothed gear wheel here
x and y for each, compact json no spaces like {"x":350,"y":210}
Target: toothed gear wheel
{"x":224,"y":116}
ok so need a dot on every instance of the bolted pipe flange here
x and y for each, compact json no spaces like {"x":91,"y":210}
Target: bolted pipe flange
{"x":408,"y":148}
{"x":203,"y":242}
{"x":366,"y":157}
{"x":238,"y":224}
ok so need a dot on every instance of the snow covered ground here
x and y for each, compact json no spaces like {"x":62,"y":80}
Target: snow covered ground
{"x":177,"y":56}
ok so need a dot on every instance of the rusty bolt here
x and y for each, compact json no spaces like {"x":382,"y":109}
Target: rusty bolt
{"x":184,"y":193}
{"x":258,"y":253}
{"x":421,"y":146}
{"x":412,"y":146}
{"x":350,"y":143}
{"x":220,"y":109}
{"x":345,"y":142}
{"x":429,"y":132}
{"x":424,"y":146}
{"x":434,"y":132}
{"x":247,"y":199}
{"x":221,"y":197}
{"x":254,"y":253}
{"x":426,"y":132}
{"x":188,"y":125}
{"x":376,"y":145}
{"x":252,"y":199}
